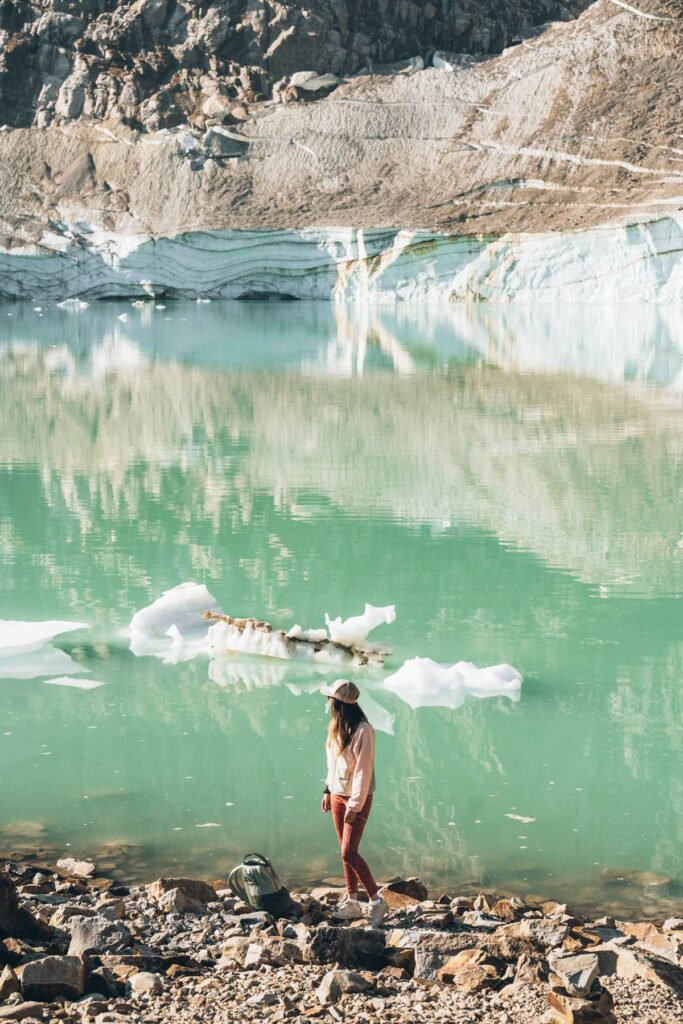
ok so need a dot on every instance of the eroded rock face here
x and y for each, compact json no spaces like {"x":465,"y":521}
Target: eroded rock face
{"x":160,"y":62}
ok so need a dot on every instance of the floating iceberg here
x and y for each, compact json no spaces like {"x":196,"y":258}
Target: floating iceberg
{"x":422,"y":682}
{"x":18,"y":637}
{"x":354,"y":631}
{"x":172,"y":627}
{"x":252,"y":636}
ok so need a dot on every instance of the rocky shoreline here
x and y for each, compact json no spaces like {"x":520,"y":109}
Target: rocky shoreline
{"x":75,"y":946}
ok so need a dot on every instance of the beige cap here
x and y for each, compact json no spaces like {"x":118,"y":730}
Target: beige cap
{"x":342,"y":689}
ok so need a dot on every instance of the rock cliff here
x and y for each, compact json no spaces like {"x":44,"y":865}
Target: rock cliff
{"x":159,"y":63}
{"x":553,"y":169}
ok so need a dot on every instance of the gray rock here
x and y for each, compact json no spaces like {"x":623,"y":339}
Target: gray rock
{"x":177,"y":902}
{"x":220,"y":142}
{"x":576,"y":973}
{"x":146,"y":983}
{"x":79,"y":868}
{"x":673,"y":924}
{"x":53,"y":976}
{"x":263,"y":999}
{"x":22,"y":1010}
{"x":338,"y":983}
{"x":64,"y":916}
{"x":98,"y":935}
{"x":192,"y":887}
{"x":9,"y":983}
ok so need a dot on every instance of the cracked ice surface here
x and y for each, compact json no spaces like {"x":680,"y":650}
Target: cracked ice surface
{"x":422,"y":682}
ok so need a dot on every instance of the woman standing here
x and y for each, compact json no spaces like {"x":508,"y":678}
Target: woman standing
{"x":348,"y":794}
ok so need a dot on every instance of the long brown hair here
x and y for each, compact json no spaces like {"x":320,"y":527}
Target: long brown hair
{"x":344,"y":720}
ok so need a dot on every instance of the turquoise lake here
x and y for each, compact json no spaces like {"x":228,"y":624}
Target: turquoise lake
{"x":511,"y":479}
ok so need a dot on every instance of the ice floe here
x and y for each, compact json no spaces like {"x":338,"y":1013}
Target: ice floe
{"x":18,"y":636}
{"x":26,"y":651}
{"x":421,"y":682}
{"x":78,"y":684}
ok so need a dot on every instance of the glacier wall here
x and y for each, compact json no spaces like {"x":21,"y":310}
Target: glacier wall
{"x":640,"y":262}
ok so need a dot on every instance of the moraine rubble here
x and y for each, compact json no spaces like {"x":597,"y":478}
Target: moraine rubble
{"x":78,"y":947}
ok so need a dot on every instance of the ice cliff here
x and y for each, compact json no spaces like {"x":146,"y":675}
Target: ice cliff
{"x":232,"y":157}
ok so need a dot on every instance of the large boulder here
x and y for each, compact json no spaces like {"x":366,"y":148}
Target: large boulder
{"x":53,"y":976}
{"x":576,"y":974}
{"x":412,"y":887}
{"x":348,"y":947}
{"x":191,"y":887}
{"x":98,"y":935}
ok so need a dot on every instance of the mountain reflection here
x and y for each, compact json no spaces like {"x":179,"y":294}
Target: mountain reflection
{"x":568,"y":468}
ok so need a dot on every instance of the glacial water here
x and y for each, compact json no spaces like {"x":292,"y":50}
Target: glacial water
{"x":511,"y":479}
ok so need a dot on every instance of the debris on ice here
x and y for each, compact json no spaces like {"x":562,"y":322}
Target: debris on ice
{"x":252,"y":636}
{"x":421,"y":682}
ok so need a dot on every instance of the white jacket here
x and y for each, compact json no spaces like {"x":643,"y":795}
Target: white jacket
{"x":351,"y":773}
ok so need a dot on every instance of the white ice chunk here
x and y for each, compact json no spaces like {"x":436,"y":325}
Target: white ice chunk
{"x":79,"y":684}
{"x":521,"y":817}
{"x":421,"y":682}
{"x":181,"y":607}
{"x":19,"y":637}
{"x":315,"y":636}
{"x":73,"y":305}
{"x":354,"y":631}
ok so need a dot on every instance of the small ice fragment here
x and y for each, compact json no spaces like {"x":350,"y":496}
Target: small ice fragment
{"x":200,"y":300}
{"x":209,"y":824}
{"x":314,"y":636}
{"x":354,"y":631}
{"x":37,"y":309}
{"x":73,"y":305}
{"x":123,"y":317}
{"x":159,"y":305}
{"x":78,"y":684}
{"x":520,"y":817}
{"x":229,"y":803}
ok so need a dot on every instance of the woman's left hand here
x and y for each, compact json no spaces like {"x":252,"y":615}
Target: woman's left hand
{"x":350,"y":817}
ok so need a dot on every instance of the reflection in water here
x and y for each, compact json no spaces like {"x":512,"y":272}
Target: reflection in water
{"x":299,"y":458}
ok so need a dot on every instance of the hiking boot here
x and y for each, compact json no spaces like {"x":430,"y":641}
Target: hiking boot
{"x":349,"y":910}
{"x":377,"y":912}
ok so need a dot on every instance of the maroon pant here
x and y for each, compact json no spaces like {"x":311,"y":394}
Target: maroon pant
{"x":355,"y":868}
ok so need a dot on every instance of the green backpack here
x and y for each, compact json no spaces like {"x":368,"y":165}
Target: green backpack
{"x":256,"y":882}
